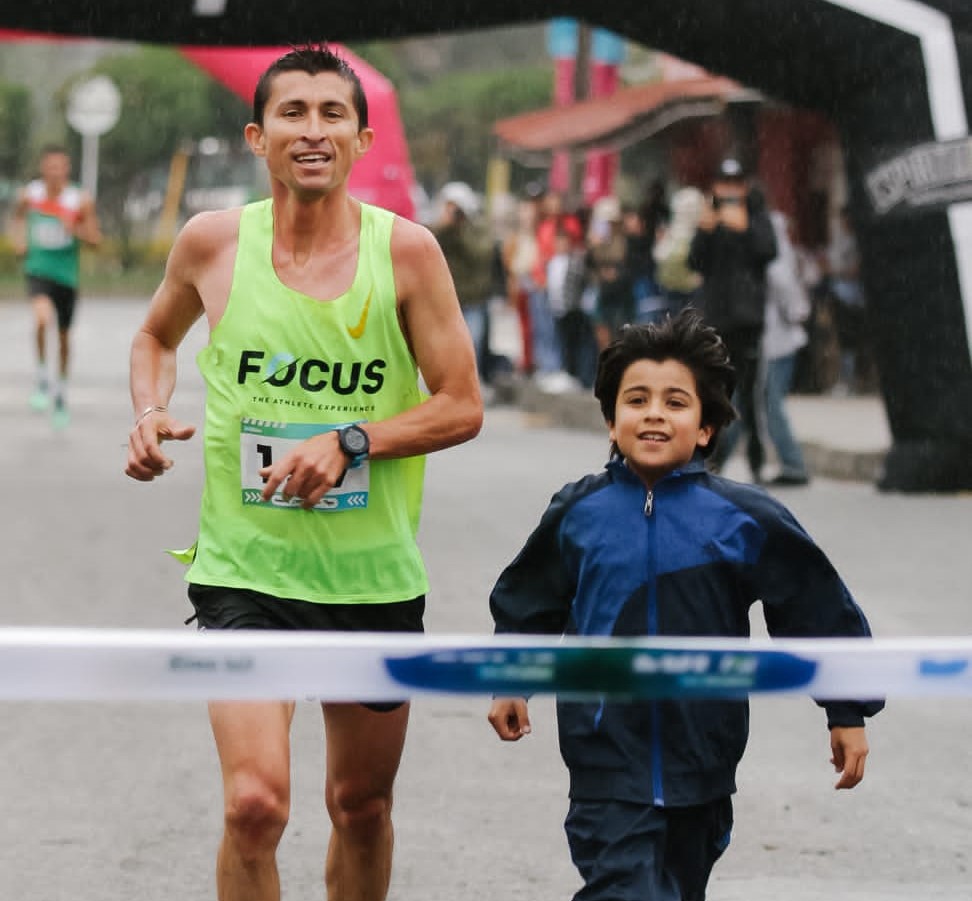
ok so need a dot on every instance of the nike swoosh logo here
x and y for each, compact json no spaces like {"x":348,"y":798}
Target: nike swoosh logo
{"x":356,"y":331}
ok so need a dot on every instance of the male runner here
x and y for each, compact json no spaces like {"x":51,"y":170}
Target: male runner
{"x":321,"y":311}
{"x":51,"y":218}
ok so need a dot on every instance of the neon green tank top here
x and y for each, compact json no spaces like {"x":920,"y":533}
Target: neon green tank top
{"x":279,"y":367}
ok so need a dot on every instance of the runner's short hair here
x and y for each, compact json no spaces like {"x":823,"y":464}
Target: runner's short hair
{"x":312,"y":59}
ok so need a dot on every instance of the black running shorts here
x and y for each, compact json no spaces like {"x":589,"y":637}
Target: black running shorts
{"x":219,"y":607}
{"x":63,"y":297}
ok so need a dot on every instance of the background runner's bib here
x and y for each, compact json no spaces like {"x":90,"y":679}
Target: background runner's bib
{"x":280,"y":367}
{"x":52,"y":249}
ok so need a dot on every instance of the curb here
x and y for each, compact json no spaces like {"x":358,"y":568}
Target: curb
{"x":572,"y":410}
{"x":845,"y":465}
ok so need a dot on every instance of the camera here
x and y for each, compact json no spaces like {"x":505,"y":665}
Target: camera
{"x":718,"y":202}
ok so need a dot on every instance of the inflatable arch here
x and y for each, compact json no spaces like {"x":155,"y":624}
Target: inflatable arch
{"x":894,"y":75}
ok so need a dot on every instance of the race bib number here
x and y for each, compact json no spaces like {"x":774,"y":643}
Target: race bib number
{"x":50,"y":234}
{"x":263,"y":443}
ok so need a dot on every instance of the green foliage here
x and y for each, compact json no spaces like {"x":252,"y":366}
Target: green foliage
{"x":15,"y":121}
{"x":449,"y":122}
{"x":9,"y":261}
{"x":167,"y":102}
{"x":451,"y":89}
{"x":136,"y":255}
{"x":384,"y":57}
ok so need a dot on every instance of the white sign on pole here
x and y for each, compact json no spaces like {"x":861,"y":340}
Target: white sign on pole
{"x":93,"y":109}
{"x":94,"y":106}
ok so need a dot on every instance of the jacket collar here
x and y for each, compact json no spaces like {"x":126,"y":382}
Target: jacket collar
{"x":618,"y":467}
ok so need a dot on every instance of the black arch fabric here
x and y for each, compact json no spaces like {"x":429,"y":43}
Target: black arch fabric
{"x":895,"y":75}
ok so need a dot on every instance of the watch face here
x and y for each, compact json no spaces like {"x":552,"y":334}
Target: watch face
{"x":354,"y":440}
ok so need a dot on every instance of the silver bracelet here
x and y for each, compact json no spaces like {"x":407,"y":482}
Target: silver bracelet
{"x":148,"y":411}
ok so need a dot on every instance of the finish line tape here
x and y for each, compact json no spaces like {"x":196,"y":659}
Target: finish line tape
{"x":131,"y":664}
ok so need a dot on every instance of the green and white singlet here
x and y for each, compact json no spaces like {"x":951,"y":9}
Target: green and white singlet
{"x":280,"y":367}
{"x":53,"y":252}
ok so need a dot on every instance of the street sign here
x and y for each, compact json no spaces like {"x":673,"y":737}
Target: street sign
{"x":94,"y":106}
{"x":93,"y":109}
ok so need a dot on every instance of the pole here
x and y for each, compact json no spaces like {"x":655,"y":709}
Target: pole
{"x":168,"y":219}
{"x":575,"y":184}
{"x":89,"y":163}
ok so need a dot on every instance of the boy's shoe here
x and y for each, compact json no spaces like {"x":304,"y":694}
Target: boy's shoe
{"x":61,"y":418}
{"x":40,"y":400}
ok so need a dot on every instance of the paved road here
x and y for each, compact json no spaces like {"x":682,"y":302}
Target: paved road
{"x":110,"y":802}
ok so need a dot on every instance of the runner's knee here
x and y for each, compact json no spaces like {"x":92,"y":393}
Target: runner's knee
{"x":358,"y":814}
{"x":43,"y":316}
{"x":256,"y":813}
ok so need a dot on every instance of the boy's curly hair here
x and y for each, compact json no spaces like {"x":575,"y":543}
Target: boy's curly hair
{"x":684,"y":338}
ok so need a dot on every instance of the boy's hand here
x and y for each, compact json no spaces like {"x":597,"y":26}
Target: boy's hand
{"x":509,"y":717}
{"x":848,"y":745}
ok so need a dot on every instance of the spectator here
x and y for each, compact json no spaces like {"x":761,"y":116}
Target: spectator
{"x":787,"y":309}
{"x":650,"y":304}
{"x":817,"y":362}
{"x":677,"y":280}
{"x":655,"y":211}
{"x":567,"y":278}
{"x":468,"y":252}
{"x":519,"y":258}
{"x":731,"y":249}
{"x":608,"y":256}
{"x":503,"y":220}
{"x":849,"y":302}
{"x":553,"y":218}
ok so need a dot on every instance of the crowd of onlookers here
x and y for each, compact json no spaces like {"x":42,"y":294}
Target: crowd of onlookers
{"x":789,"y":315}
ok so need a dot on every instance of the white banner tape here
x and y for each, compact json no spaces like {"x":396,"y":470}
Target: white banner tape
{"x":131,"y":664}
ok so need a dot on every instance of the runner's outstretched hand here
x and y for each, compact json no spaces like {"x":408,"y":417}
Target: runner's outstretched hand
{"x":145,"y":458}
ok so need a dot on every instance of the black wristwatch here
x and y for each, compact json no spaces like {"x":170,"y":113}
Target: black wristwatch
{"x":354,"y":442}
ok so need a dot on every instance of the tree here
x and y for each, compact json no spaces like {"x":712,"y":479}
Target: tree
{"x":15,"y":122}
{"x":449,"y":122}
{"x":167,"y":103}
{"x":452,"y":88}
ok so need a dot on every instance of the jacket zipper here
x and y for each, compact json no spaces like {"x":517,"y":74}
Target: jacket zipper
{"x":658,"y":790}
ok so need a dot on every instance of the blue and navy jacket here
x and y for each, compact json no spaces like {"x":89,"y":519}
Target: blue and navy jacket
{"x":687,"y":558}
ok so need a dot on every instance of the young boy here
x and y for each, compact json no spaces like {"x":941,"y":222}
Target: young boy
{"x":656,"y":545}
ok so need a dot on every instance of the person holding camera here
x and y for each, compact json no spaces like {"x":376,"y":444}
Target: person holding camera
{"x":732,"y":247}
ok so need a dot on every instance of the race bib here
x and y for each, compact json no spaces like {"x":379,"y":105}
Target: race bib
{"x":263,"y":443}
{"x":49,"y":233}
